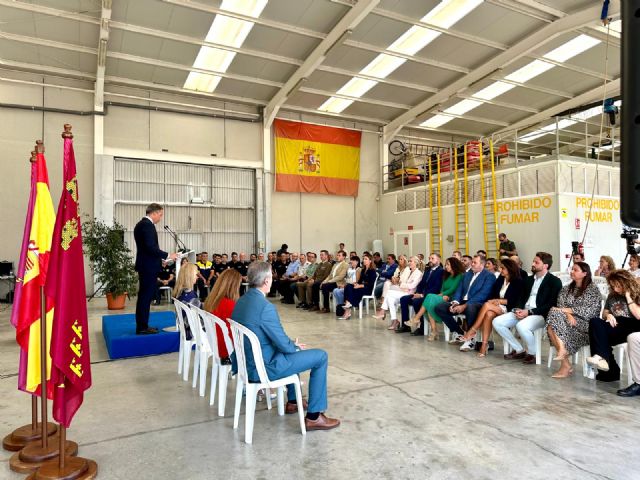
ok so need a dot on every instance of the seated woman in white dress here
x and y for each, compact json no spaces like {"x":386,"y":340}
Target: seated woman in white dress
{"x":395,"y":292}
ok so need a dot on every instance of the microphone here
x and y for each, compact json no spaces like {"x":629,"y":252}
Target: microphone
{"x":174,"y":235}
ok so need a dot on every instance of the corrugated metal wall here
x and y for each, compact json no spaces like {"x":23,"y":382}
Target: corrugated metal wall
{"x":225,"y":221}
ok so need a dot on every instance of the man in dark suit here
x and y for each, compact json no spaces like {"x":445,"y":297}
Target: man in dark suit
{"x":539,"y":294}
{"x":431,"y":283}
{"x":282,"y":357}
{"x":473,"y":291}
{"x":148,"y":263}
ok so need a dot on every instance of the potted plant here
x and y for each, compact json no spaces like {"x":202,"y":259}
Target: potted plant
{"x":111,"y":261}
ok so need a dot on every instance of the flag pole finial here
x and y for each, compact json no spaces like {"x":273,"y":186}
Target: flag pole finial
{"x":39,"y":146}
{"x":34,"y":156}
{"x":67,"y":131}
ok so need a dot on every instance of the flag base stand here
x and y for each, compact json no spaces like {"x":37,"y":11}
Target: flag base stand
{"x":17,"y":439}
{"x":75,"y":468}
{"x":33,"y":455}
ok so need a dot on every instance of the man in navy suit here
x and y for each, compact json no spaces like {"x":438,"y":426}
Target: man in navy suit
{"x":282,"y":357}
{"x":431,"y":283}
{"x":472,"y":292}
{"x":148,"y":263}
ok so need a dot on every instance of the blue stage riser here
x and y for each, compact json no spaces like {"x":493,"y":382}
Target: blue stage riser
{"x":120,"y":335}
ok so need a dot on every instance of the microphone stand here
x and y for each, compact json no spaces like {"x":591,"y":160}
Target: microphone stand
{"x":182,"y":247}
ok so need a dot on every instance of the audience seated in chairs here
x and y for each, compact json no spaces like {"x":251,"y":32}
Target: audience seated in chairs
{"x":493,"y":266}
{"x":397,"y":291}
{"x":166,"y":278}
{"x":399,"y":276}
{"x":205,"y":274}
{"x":221,"y":302}
{"x":354,"y":292}
{"x":634,"y":266}
{"x":287,"y":283}
{"x":337,"y":276}
{"x":523,"y":273}
{"x":311,"y":289}
{"x":353,"y":276}
{"x":568,"y":323}
{"x":504,"y":296}
{"x":633,"y":350}
{"x":184,"y":292}
{"x":279,"y":270}
{"x":471,"y":294}
{"x":605,"y":265}
{"x":452,"y":276}
{"x":466,"y":261}
{"x":385,"y":272}
{"x":620,"y":318}
{"x":539,"y":294}
{"x":431,"y":283}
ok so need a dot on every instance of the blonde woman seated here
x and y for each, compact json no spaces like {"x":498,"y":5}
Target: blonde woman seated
{"x":504,"y":296}
{"x":395,"y":292}
{"x":605,"y":266}
{"x":634,"y":266}
{"x":568,"y":323}
{"x":453,"y":273}
{"x":399,"y":276}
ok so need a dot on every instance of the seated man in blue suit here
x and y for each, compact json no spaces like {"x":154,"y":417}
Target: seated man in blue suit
{"x":282,"y":357}
{"x":431,"y":283}
{"x":473,"y":291}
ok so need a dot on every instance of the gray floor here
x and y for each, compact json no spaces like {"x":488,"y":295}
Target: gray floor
{"x":410,"y":409}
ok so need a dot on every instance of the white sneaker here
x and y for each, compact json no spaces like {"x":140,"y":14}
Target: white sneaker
{"x":598,"y":362}
{"x":468,"y":345}
{"x":455,"y":338}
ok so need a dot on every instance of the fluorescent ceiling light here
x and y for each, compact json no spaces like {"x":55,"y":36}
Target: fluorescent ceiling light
{"x":356,"y":87}
{"x":382,"y":66}
{"x":463,"y":107}
{"x":413,"y":40}
{"x":436,"y":121}
{"x":494,"y":90}
{"x":226,"y":31}
{"x":335,"y":105}
{"x":448,"y":12}
{"x":529,"y":71}
{"x":572,"y":48}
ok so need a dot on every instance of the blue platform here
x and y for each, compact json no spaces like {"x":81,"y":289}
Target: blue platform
{"x":120,"y":335}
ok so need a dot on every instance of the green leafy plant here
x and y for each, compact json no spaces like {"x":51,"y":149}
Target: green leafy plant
{"x":109,"y":257}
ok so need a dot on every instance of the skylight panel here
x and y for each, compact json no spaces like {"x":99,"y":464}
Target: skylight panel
{"x":463,"y":107}
{"x":494,"y":90}
{"x":414,"y":40}
{"x":382,"y":65}
{"x":356,"y":87}
{"x":436,"y":121}
{"x":335,"y":105}
{"x":448,"y":12}
{"x":573,"y":47}
{"x":529,"y":71}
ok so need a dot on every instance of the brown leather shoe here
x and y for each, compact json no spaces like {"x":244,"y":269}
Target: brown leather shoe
{"x":323,"y":310}
{"x":314,"y":308}
{"x":516,"y":356}
{"x":529,"y":360}
{"x":322,"y":423}
{"x":291,"y":408}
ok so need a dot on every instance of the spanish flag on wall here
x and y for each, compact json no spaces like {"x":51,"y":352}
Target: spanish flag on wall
{"x":316,"y":159}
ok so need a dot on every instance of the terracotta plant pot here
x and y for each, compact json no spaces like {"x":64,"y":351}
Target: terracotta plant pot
{"x":116,"y":303}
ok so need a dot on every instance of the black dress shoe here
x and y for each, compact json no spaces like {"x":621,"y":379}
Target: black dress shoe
{"x":301,"y":305}
{"x":148,"y":331}
{"x":418,"y":332}
{"x":403,"y":329}
{"x":632,"y":390}
{"x":608,"y":376}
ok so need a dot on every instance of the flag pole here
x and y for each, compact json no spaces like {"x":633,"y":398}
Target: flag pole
{"x":17,"y":439}
{"x":36,"y":453}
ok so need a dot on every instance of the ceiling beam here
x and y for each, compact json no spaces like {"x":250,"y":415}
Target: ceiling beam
{"x":103,"y":41}
{"x":522,"y":48}
{"x":372,"y":101}
{"x":335,"y":37}
{"x":498,"y":103}
{"x":337,"y":116}
{"x":594,"y":95}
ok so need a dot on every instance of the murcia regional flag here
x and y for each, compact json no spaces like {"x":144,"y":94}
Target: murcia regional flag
{"x":316,"y":159}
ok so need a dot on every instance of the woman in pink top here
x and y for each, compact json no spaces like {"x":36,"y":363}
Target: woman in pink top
{"x":408,"y":287}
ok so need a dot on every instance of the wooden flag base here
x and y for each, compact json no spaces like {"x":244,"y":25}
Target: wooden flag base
{"x":33,"y":456}
{"x":75,"y":468}
{"x":17,"y":439}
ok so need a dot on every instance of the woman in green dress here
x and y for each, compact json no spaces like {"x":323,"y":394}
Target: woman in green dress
{"x":453,"y":273}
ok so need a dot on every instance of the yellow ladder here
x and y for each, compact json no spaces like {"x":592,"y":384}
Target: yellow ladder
{"x":489,"y":203}
{"x":461,"y":204}
{"x":435,"y":225}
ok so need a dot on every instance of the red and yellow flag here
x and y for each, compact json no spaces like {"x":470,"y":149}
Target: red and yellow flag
{"x":32,"y":274}
{"x":71,"y":371}
{"x":316,"y":159}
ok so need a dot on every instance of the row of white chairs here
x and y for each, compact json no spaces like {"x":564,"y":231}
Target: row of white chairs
{"x":202,"y":325}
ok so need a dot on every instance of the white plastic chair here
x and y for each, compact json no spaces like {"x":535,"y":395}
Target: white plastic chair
{"x":576,"y":358}
{"x":219,"y":372}
{"x":167,"y":290}
{"x":203,"y":350}
{"x":366,"y":299}
{"x":623,"y":359}
{"x":184,"y":352}
{"x":239,"y":334}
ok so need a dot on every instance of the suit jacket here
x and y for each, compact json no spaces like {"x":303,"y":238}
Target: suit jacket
{"x":547,"y":293}
{"x":431,"y":281}
{"x":148,"y":256}
{"x":479,"y":291}
{"x":259,"y":315}
{"x":339,"y":274}
{"x":513,"y":293}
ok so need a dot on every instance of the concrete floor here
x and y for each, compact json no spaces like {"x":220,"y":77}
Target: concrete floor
{"x":409,"y":409}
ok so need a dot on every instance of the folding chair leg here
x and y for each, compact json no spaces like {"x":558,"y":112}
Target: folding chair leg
{"x":196,"y":368}
{"x":222,"y":389}
{"x":250,"y":413}
{"x":267,"y":397}
{"x":187,"y":361}
{"x":204,"y":364}
{"x":180,"y":357}
{"x":538,"y":338}
{"x":238,"y":405}
{"x":214,"y":380}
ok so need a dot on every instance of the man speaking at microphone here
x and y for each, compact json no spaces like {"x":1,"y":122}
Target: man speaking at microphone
{"x":148,"y":263}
